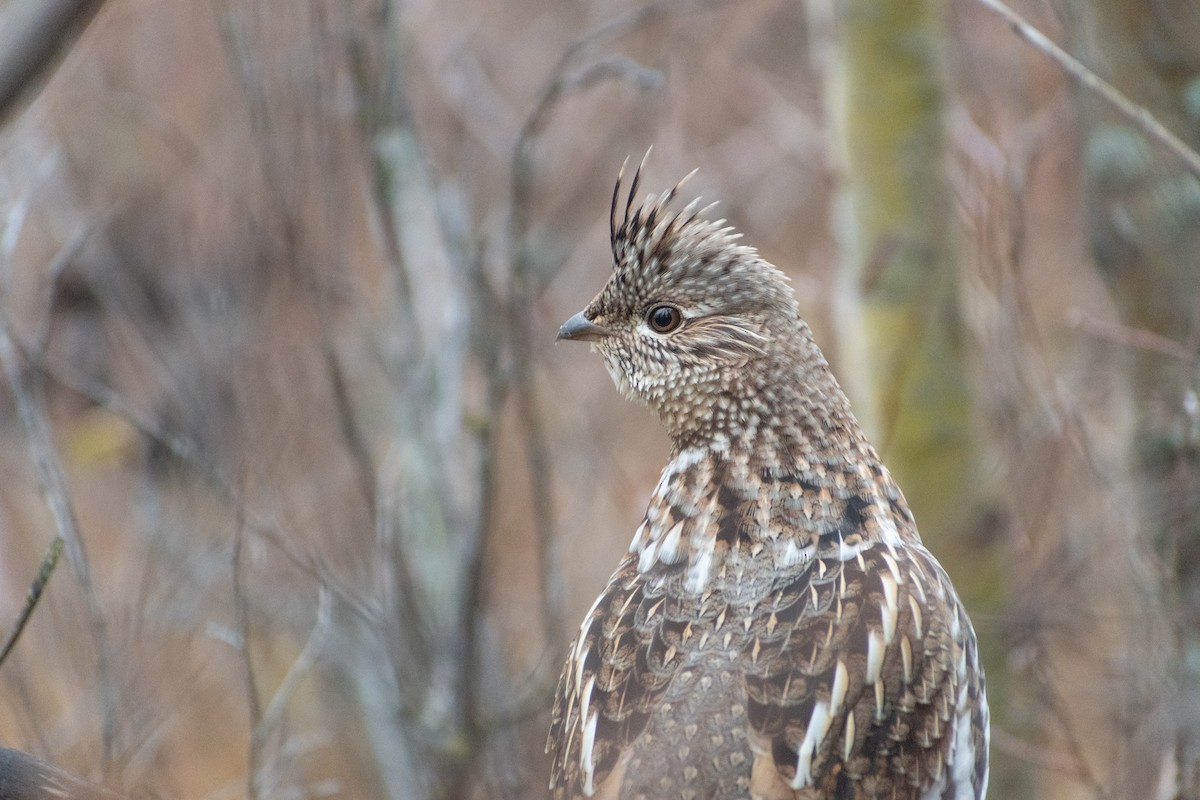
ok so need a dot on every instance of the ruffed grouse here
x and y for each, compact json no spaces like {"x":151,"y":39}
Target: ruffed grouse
{"x":777,"y":628}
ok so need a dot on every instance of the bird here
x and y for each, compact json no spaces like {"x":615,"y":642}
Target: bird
{"x":776,"y":630}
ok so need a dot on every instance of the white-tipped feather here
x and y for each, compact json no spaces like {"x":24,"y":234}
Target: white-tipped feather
{"x":586,"y":764}
{"x":639,"y":540}
{"x":893,"y":567}
{"x":818,"y":725}
{"x":648,"y":556}
{"x":668,"y":551}
{"x":875,"y":650}
{"x":917,"y":620}
{"x":841,"y":681}
{"x":906,"y":658}
{"x":889,"y":613}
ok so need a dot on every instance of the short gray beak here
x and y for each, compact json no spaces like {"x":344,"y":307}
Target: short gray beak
{"x":582,"y":329}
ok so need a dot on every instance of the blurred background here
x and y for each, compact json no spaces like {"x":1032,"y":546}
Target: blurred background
{"x":279,"y":286}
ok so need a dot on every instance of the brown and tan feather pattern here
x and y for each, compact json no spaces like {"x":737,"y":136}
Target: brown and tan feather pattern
{"x":777,"y":629}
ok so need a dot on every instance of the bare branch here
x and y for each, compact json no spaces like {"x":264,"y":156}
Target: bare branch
{"x":33,"y":34}
{"x":31,"y":409}
{"x":565,"y":78}
{"x":1036,"y":755}
{"x":188,"y":452}
{"x":303,"y":664}
{"x":270,"y":719}
{"x":35,"y":594}
{"x":352,"y":434}
{"x":180,"y":446}
{"x":241,"y":607}
{"x":1136,"y":338}
{"x":1134,"y":113}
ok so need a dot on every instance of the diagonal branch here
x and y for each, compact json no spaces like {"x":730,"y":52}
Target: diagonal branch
{"x":33,"y":34}
{"x":34,"y":594}
{"x":1136,"y":114}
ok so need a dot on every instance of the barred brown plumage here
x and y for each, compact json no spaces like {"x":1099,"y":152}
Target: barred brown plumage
{"x":777,"y":628}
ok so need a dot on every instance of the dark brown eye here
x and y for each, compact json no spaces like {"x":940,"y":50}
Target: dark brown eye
{"x":664,"y":319}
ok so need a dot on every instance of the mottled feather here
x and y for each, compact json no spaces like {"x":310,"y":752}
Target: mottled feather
{"x":777,"y":629}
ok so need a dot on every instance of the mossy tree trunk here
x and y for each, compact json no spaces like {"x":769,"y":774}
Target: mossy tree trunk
{"x":904,"y":360}
{"x":900,"y":348}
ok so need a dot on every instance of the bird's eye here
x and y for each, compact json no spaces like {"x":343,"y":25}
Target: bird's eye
{"x":664,"y":319}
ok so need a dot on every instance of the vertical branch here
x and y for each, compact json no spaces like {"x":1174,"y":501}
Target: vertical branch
{"x":352,"y":433}
{"x":27,"y":392}
{"x":241,"y":607}
{"x":419,"y":525}
{"x":473,"y":574}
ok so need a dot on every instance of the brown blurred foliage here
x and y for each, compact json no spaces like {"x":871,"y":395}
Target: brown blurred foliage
{"x":282,"y":280}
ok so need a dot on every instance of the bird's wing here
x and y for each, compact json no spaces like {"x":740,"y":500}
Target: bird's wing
{"x":862,"y":669}
{"x":615,"y":676}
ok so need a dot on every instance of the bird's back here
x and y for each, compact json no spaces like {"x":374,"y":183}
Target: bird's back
{"x":842,"y":669}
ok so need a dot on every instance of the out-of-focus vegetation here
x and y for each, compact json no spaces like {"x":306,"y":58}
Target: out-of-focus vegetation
{"x":281,"y":280}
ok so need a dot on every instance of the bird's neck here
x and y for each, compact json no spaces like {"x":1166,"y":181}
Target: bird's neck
{"x":784,"y":485}
{"x":783,"y":414}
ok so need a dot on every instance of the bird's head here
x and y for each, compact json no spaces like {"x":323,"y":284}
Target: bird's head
{"x":691,"y":322}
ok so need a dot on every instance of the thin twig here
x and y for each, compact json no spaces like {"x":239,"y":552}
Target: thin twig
{"x":241,"y":607}
{"x":188,"y":452}
{"x":352,"y":433}
{"x":488,"y":349}
{"x":26,"y":389}
{"x":1058,"y":707}
{"x":177,"y":444}
{"x":272,"y":531}
{"x":1133,"y":112}
{"x":303,"y":664}
{"x":261,"y":774}
{"x":55,"y":270}
{"x":35,"y":594}
{"x":1135,"y":338}
{"x":1036,"y":755}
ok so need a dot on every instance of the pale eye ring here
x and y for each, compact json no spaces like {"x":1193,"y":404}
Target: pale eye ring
{"x":664,"y":318}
